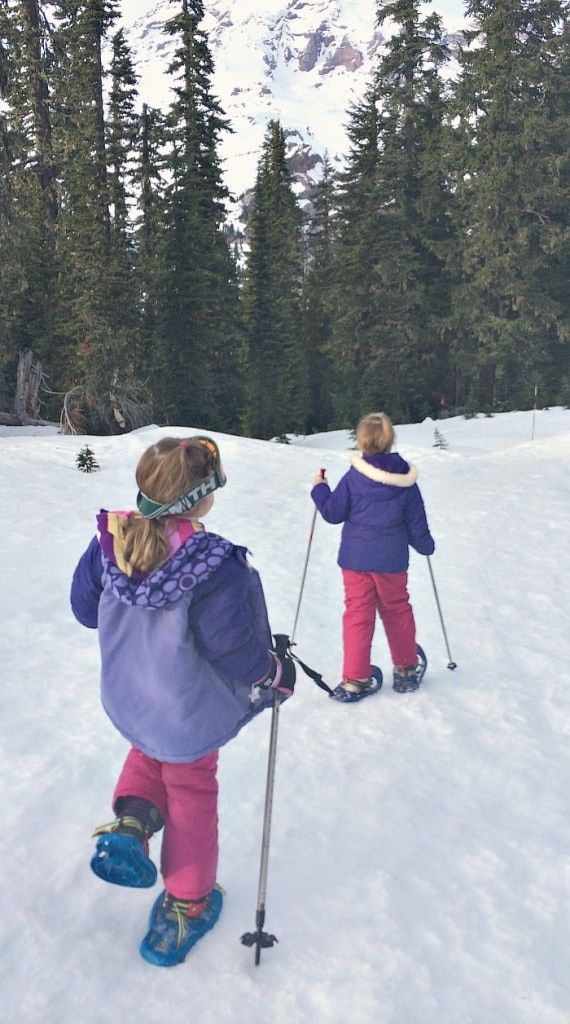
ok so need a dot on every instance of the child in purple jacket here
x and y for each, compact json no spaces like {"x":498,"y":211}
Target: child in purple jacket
{"x":383,"y":513}
{"x":186,"y":661}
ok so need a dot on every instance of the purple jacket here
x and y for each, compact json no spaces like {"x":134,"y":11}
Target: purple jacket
{"x":181,"y":648}
{"x":383,"y":513}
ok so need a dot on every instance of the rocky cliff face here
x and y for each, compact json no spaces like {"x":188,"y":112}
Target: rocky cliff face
{"x":303,"y":62}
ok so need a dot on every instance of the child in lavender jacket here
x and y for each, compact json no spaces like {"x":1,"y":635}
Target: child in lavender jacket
{"x":186,"y":662}
{"x":383,"y":513}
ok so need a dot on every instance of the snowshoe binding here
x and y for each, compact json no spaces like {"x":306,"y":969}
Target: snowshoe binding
{"x":121,"y":854}
{"x":365,"y":689}
{"x":409,"y":678}
{"x":175,"y":926}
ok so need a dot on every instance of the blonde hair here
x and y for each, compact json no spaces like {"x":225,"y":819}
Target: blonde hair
{"x":165,"y":471}
{"x":375,"y":433}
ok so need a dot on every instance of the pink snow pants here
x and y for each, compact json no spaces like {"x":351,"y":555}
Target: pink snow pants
{"x":186,"y":796}
{"x":366,"y":593}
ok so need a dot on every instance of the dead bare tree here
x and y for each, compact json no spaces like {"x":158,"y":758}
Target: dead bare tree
{"x":72,"y":419}
{"x":117,"y":411}
{"x":29,"y":380}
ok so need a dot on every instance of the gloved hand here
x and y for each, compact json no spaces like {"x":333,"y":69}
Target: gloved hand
{"x":282,"y":674}
{"x":282,"y":647}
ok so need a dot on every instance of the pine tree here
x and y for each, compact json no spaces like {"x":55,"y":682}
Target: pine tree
{"x":275,"y":361}
{"x":121,"y":137}
{"x":28,"y":200}
{"x":393,"y":220}
{"x":91,"y":353}
{"x":318,"y":303}
{"x":149,"y":224}
{"x":86,"y":461}
{"x":439,"y":440}
{"x":121,"y":131}
{"x":512,"y":105}
{"x":11,"y":271}
{"x":358,"y":301}
{"x":196,"y":352}
{"x":413,"y":143}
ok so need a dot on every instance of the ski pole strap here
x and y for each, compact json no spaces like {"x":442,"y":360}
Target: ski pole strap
{"x":312,"y":674}
{"x":283,"y":648}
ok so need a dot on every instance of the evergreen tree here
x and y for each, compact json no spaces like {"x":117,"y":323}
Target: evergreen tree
{"x":318,"y":303}
{"x":122,"y":127}
{"x":86,"y":461}
{"x":149,"y":230}
{"x":28,"y":201}
{"x":91,"y":353}
{"x":196,"y":352}
{"x":393,"y":209}
{"x":415,"y":140}
{"x":362,"y":340}
{"x":11,"y":271}
{"x":275,"y":363}
{"x":512,"y":104}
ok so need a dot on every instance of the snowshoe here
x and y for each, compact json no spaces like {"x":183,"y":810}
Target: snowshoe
{"x":366,"y":689}
{"x":407,"y":679}
{"x":121,"y":854}
{"x":174,"y":929}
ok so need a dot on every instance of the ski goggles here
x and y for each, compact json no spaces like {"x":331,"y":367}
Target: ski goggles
{"x":216,"y":478}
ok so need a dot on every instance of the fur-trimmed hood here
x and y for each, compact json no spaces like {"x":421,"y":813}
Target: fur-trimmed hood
{"x":389,"y":468}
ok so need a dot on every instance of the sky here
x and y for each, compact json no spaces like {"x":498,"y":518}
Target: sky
{"x":419,"y":853}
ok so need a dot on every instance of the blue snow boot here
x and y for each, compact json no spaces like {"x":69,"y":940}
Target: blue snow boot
{"x":408,"y":678}
{"x":366,"y":688}
{"x":121,"y":854}
{"x":175,"y":926}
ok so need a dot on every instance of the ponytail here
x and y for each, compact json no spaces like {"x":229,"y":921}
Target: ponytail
{"x":145,"y":545}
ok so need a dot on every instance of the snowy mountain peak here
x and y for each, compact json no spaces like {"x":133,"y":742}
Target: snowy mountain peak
{"x":302,"y":62}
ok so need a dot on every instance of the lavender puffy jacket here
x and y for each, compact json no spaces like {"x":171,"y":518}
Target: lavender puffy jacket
{"x":181,"y":648}
{"x":383,"y":513}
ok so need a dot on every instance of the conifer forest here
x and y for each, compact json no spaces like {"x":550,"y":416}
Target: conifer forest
{"x":430,"y":276}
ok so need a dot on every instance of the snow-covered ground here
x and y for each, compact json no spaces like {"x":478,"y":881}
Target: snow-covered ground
{"x":419,"y":859}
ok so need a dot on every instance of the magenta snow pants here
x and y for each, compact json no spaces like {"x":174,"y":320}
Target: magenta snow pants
{"x":366,"y":593}
{"x":186,"y":797}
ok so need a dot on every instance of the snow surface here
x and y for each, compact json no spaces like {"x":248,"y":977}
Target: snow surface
{"x":418,"y":869}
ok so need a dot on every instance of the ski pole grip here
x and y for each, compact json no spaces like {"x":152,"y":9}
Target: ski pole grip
{"x":322,"y":472}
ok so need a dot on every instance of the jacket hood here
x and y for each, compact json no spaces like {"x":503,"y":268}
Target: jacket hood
{"x":385,"y":468}
{"x":193,"y":562}
{"x":111,"y":527}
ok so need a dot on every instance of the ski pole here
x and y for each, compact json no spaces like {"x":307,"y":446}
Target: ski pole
{"x":451,"y":664}
{"x":259,"y":938}
{"x":309,"y":543}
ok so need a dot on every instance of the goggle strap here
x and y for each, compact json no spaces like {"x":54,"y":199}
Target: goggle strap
{"x":154,"y":510}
